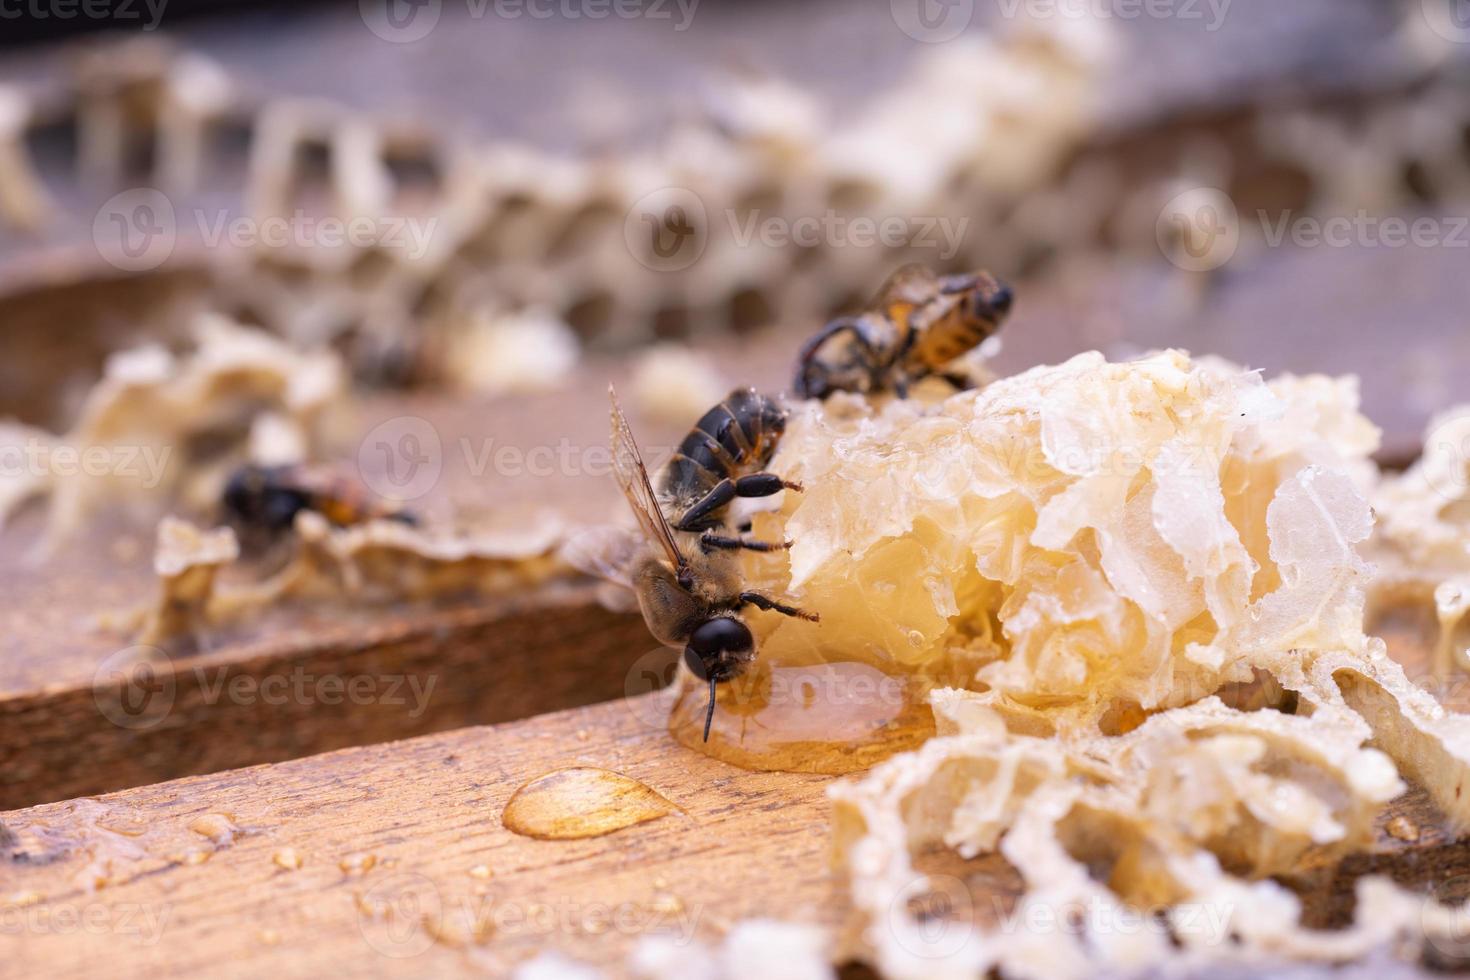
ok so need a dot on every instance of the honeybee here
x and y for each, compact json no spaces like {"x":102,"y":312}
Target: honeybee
{"x":915,"y":327}
{"x":263,"y":501}
{"x":681,"y":563}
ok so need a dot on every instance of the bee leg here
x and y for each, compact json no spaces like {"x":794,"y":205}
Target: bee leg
{"x":763,"y":485}
{"x":719,"y":495}
{"x":961,"y":381}
{"x":761,"y":601}
{"x":807,"y":386}
{"x":753,"y":485}
{"x":708,"y":542}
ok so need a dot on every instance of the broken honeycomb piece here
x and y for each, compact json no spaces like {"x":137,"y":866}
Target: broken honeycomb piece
{"x":1076,"y":536}
{"x":159,"y":427}
{"x":1422,"y":548}
{"x":1142,"y":585}
{"x":186,"y":560}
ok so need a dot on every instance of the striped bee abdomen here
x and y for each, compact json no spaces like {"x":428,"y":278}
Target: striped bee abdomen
{"x":736,"y":437}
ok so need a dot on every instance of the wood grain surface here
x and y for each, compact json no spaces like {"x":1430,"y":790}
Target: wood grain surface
{"x":393,"y":859}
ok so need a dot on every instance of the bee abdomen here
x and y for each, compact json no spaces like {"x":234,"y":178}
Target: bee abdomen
{"x":737,"y":436}
{"x":945,"y":342}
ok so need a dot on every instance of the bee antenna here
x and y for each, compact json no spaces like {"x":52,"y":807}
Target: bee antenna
{"x":709,"y":714}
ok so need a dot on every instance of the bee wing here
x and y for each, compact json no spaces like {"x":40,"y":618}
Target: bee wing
{"x":607,"y":552}
{"x":909,"y":284}
{"x":633,"y":478}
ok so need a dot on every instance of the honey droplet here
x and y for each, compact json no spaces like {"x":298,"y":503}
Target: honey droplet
{"x":481,"y":871}
{"x":667,"y":904}
{"x":358,"y":863}
{"x":581,"y":801}
{"x":21,"y":900}
{"x":218,"y":828}
{"x":269,"y":937}
{"x":830,"y":718}
{"x":1403,"y":828}
{"x":287,"y":858}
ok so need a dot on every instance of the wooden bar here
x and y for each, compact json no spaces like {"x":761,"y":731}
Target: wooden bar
{"x":393,"y":858}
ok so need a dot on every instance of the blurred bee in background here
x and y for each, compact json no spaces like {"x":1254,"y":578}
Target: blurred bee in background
{"x":261,"y":502}
{"x":916,"y":326}
{"x":681,"y":562}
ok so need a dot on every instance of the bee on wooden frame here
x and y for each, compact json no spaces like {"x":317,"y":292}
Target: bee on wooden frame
{"x":261,"y":502}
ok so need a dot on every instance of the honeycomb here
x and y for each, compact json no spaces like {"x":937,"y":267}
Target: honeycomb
{"x":1139,"y":589}
{"x":1006,"y":131}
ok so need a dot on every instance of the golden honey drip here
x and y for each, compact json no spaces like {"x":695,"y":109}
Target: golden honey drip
{"x":829,"y":718}
{"x":581,"y":801}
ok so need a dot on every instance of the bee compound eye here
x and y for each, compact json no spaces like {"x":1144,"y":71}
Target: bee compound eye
{"x":719,"y":636}
{"x":1001,"y":301}
{"x":695,"y":664}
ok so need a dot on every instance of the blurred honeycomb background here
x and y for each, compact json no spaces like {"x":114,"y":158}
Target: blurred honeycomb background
{"x":476,"y":195}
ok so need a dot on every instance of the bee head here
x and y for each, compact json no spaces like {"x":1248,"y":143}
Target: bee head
{"x":255,"y":498}
{"x":717,"y":651}
{"x":810,"y":381}
{"x":991,"y":299}
{"x":718,"y":648}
